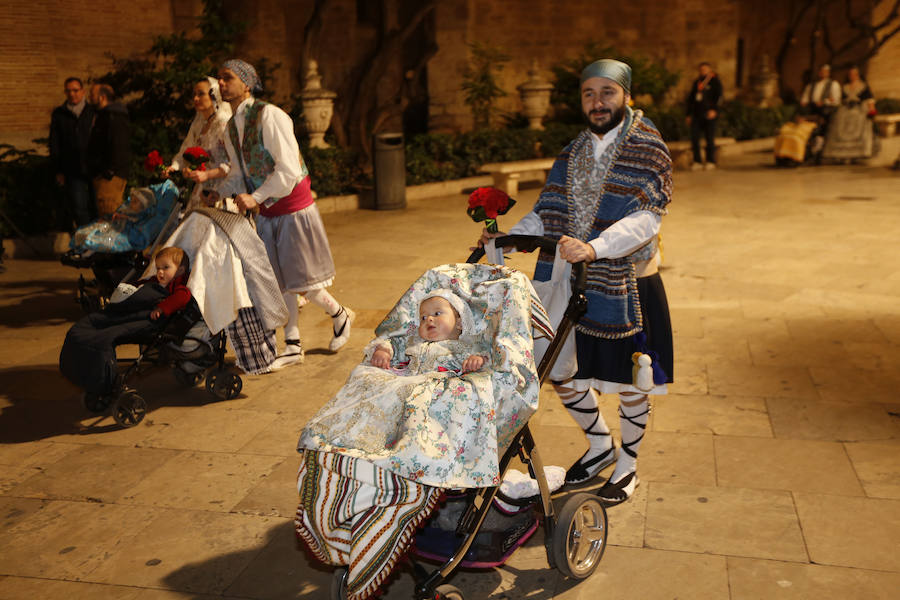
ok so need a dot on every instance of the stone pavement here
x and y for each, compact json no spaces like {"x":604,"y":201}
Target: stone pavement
{"x":771,"y":470}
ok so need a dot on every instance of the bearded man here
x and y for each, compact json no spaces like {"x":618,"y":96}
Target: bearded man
{"x":603,"y":200}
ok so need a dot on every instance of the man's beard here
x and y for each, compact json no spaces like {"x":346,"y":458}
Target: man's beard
{"x":614,"y":119}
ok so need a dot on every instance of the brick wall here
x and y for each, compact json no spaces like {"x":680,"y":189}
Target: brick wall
{"x":680,"y":32}
{"x":43,"y":41}
{"x":763,"y":27}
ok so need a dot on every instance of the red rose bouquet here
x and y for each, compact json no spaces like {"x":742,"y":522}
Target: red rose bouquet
{"x":486,"y":203}
{"x":155,"y":164}
{"x":196,"y":158}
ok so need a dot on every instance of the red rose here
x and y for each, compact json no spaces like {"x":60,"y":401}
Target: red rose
{"x":485,"y":203}
{"x":153,"y":162}
{"x":494,"y":201}
{"x":196,"y":157}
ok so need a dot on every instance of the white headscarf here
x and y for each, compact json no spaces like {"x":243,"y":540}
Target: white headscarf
{"x":223,"y":109}
{"x":466,"y":320}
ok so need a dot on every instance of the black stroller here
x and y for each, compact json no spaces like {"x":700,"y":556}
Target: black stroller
{"x":575,"y":536}
{"x":185,"y":342}
{"x":88,"y":357}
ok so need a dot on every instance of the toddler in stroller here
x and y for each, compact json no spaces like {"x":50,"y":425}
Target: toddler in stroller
{"x":234,"y":297}
{"x":447,"y":413}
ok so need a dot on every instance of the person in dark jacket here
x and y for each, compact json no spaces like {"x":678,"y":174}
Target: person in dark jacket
{"x":109,"y":149}
{"x":702,"y":112}
{"x":70,"y":128}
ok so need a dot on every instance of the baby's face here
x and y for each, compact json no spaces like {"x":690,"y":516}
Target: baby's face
{"x":166,"y":270}
{"x":439,"y":321}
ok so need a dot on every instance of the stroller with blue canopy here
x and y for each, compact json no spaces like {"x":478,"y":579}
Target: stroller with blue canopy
{"x":116,"y":249}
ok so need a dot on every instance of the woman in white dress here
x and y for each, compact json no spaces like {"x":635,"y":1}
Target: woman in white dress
{"x":208,"y":132}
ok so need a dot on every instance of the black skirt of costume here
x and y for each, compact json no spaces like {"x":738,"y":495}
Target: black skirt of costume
{"x":610,"y":360}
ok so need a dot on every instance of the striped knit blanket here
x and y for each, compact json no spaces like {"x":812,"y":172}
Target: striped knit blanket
{"x":639,"y":178}
{"x":357,"y":514}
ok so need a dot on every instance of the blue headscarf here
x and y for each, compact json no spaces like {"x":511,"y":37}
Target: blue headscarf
{"x":610,"y":69}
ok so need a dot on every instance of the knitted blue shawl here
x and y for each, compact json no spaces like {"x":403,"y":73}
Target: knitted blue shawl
{"x":639,"y":178}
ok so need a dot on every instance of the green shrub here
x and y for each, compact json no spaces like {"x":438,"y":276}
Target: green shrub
{"x":887,"y":106}
{"x":744,"y":122}
{"x":158,"y":84}
{"x":479,"y":81}
{"x":670,"y":122}
{"x":439,"y":157}
{"x":333,"y":171}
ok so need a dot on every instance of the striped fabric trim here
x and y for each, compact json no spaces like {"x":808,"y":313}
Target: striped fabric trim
{"x":356,"y":514}
{"x":254,"y":348}
{"x":540,"y":320}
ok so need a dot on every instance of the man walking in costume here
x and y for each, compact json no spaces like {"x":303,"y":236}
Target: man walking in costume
{"x":603,"y":200}
{"x":272,"y":177}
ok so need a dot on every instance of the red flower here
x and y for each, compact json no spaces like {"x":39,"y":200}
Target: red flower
{"x":196,"y":157}
{"x":153,"y":162}
{"x":485,"y":203}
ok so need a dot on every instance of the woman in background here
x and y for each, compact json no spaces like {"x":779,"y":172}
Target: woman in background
{"x":208,"y":132}
{"x":851,"y":134}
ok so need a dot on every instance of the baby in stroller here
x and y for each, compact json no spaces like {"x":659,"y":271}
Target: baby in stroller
{"x":444,"y":388}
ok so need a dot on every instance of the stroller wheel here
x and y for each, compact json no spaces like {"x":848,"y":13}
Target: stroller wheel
{"x":579,"y":539}
{"x":96,"y":403}
{"x":187,"y":379}
{"x":339,"y":584}
{"x":448,"y":592}
{"x":224,"y":385}
{"x":129,"y":409}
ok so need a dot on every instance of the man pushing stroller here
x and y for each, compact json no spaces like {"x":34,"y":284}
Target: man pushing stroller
{"x":274,"y":180}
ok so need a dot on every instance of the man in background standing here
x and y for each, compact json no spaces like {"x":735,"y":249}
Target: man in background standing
{"x":820,"y":99}
{"x":702,"y":112}
{"x":109,"y":149}
{"x":70,"y":129}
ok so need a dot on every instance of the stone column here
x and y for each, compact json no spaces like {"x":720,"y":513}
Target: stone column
{"x":535,"y":95}
{"x":318,"y":106}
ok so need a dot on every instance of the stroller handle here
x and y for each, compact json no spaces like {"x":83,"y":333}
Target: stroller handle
{"x":527,"y":243}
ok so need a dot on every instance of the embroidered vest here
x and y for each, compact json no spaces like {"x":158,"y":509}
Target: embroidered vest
{"x":258,"y":164}
{"x":638,"y":177}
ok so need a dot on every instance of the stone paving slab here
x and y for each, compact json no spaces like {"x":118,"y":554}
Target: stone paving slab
{"x":719,"y":415}
{"x":878,"y":467}
{"x":850,"y":531}
{"x":779,"y":464}
{"x":751,"y":579}
{"x":720,"y":520}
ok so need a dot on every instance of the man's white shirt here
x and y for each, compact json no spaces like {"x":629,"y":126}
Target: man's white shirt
{"x":280,"y":142}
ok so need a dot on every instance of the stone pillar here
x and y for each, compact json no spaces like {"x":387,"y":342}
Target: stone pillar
{"x":535,"y":95}
{"x":318,"y":106}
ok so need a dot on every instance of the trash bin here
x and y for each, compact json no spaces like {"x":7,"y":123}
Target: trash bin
{"x":389,"y":164}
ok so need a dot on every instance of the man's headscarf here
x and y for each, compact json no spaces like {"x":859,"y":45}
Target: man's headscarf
{"x":245,"y":73}
{"x":610,"y":69}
